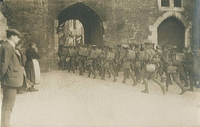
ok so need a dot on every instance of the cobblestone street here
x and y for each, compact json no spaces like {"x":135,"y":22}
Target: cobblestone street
{"x":69,"y":100}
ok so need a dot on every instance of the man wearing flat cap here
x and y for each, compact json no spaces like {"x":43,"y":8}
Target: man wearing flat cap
{"x":11,"y":73}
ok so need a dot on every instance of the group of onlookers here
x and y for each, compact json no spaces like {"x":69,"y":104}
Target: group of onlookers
{"x":16,"y":73}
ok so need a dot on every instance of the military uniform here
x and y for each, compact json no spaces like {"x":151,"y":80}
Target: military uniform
{"x":92,"y":61}
{"x":188,"y":63}
{"x":196,"y":66}
{"x":117,"y":67}
{"x":72,"y":59}
{"x":173,"y":71}
{"x":63,"y":55}
{"x":108,"y":63}
{"x":150,"y":68}
{"x":82,"y":56}
{"x":126,"y":63}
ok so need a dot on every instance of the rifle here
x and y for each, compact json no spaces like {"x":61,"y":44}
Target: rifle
{"x":162,"y":43}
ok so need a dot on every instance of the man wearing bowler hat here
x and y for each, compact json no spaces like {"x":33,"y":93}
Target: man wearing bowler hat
{"x":11,"y":73}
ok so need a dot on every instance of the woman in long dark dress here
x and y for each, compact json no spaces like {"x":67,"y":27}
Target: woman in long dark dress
{"x":32,"y":66}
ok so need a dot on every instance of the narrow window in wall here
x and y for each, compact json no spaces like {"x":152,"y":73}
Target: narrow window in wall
{"x":165,"y":3}
{"x":177,"y":3}
{"x":74,"y":24}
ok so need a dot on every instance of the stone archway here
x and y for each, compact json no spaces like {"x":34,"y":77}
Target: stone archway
{"x":172,"y":32}
{"x":3,"y":27}
{"x":91,"y":21}
{"x":154,"y":28}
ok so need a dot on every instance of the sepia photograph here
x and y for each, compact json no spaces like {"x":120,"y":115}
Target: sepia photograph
{"x":100,"y":63}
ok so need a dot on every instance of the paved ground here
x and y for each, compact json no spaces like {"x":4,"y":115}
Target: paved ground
{"x":69,"y":100}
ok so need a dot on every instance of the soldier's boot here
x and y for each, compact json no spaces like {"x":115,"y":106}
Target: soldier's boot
{"x":89,"y":73}
{"x":114,"y":80}
{"x":134,"y":79}
{"x":103,"y":75}
{"x":182,"y":87}
{"x":80,"y":71}
{"x":69,"y":69}
{"x":103,"y":78}
{"x":109,"y":74}
{"x":160,"y":84}
{"x":124,"y":81}
{"x":128,"y":76}
{"x":191,"y":87}
{"x":94,"y":73}
{"x":146,"y":90}
{"x":117,"y":73}
{"x":192,"y":80}
{"x":168,"y":80}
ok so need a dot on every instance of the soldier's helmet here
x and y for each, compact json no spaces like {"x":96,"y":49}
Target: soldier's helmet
{"x":185,"y":49}
{"x":125,"y":46}
{"x":110,"y":47}
{"x":158,"y":47}
{"x":147,"y":42}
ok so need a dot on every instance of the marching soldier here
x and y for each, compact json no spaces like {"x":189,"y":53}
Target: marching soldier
{"x":127,"y":58}
{"x":109,"y":63}
{"x":82,"y":56}
{"x":117,"y":56}
{"x":196,"y":66}
{"x":72,"y":60}
{"x":92,"y":61}
{"x":150,"y":68}
{"x":63,"y":52}
{"x":188,"y":63}
{"x":137,"y":67}
{"x":173,"y":70}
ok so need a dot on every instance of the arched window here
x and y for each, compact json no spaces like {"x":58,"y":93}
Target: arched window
{"x":168,"y":5}
{"x":165,"y":3}
{"x":177,"y":3}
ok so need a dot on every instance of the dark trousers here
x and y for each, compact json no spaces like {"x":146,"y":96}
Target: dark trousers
{"x":81,"y":64}
{"x":71,"y":64}
{"x":63,"y":65}
{"x":110,"y":70}
{"x":176,"y":79}
{"x":127,"y":72}
{"x":9,"y":96}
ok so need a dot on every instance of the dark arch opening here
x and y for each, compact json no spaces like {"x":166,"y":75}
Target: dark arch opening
{"x":172,"y":30}
{"x":91,"y":21}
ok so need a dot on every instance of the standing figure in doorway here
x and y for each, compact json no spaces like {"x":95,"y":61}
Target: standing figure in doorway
{"x":32,"y":66}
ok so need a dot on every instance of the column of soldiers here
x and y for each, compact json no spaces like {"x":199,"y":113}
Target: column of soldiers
{"x":162,"y":64}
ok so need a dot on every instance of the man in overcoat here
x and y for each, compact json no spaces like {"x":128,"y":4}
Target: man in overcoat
{"x":11,"y":74}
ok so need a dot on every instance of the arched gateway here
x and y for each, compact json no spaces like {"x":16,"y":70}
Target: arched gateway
{"x":91,"y":21}
{"x":172,"y":32}
{"x":173,"y":28}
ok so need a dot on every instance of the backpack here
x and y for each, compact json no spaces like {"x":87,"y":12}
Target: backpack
{"x":95,"y":54}
{"x":180,"y":57}
{"x":72,"y":52}
{"x":110,"y":56}
{"x":146,"y":54}
{"x":131,"y":55}
{"x":82,"y":51}
{"x":141,"y":55}
{"x":177,"y":58}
